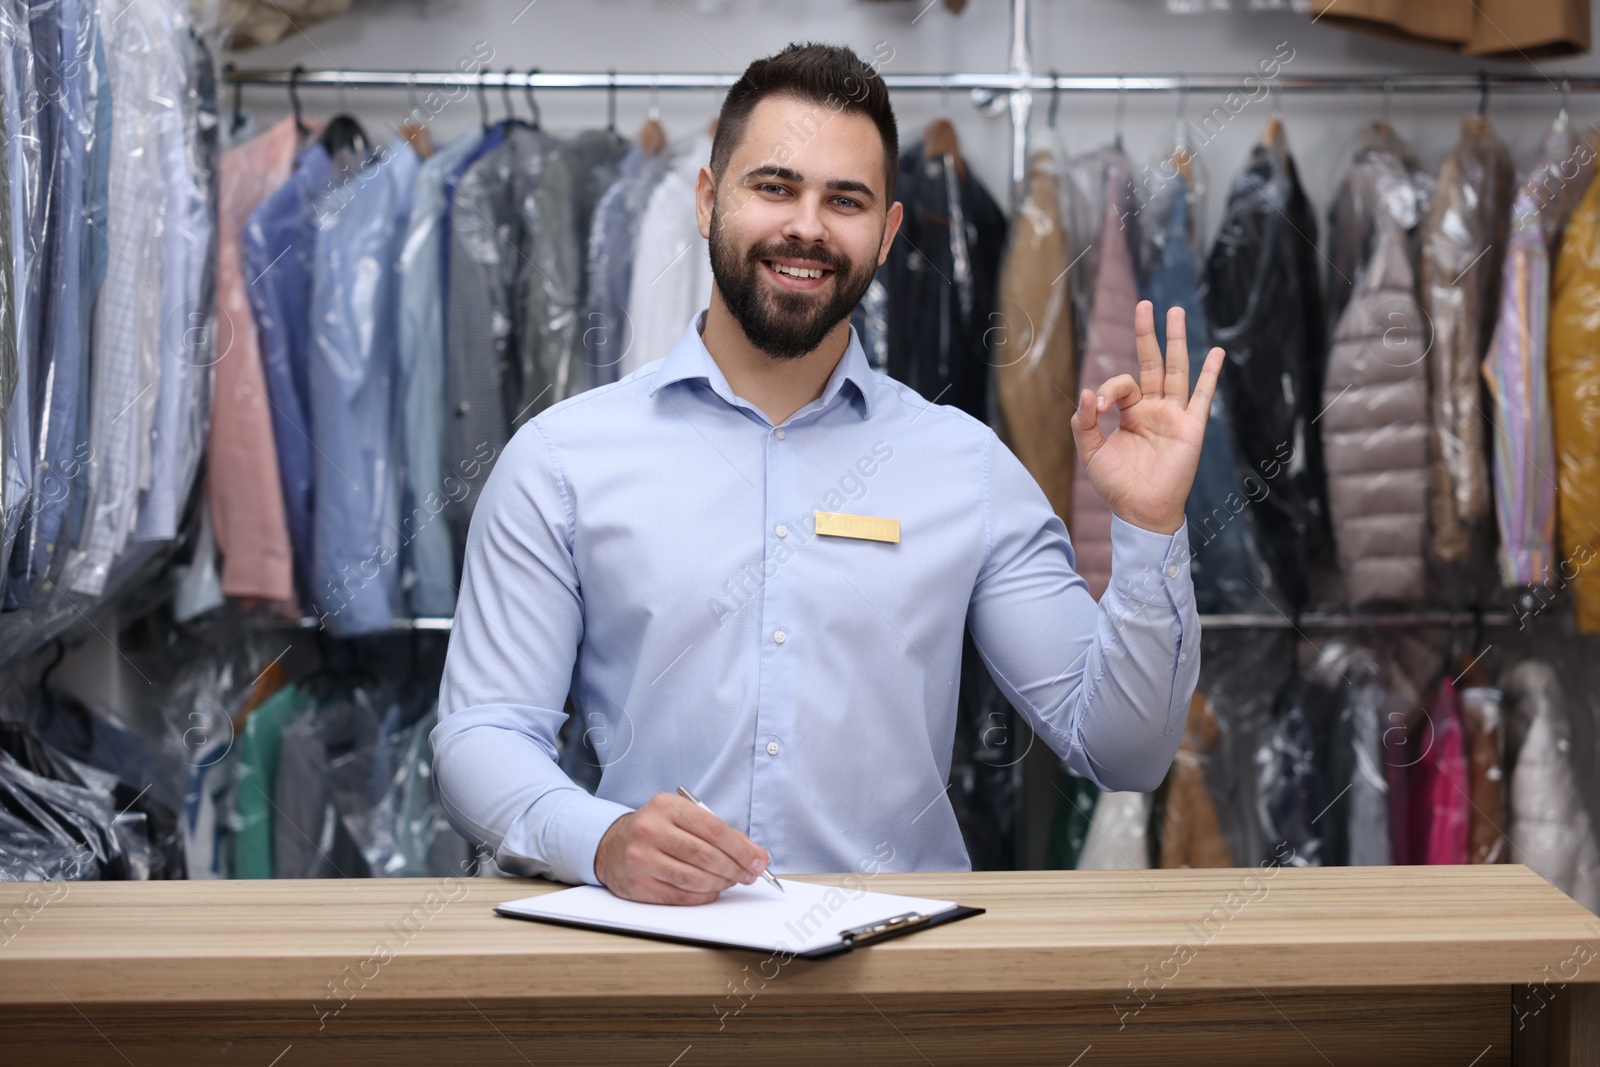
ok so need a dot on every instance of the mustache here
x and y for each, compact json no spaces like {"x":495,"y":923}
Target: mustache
{"x":792,"y":251}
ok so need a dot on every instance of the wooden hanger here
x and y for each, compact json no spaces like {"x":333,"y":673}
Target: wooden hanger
{"x":1184,"y":162}
{"x":652,"y":138}
{"x":939,"y":139}
{"x":418,"y":137}
{"x":1272,"y":137}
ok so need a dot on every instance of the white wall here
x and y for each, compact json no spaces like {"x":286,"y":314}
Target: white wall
{"x":1116,"y":37}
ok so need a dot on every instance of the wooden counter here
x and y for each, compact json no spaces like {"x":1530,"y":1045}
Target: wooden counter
{"x":1467,"y":966}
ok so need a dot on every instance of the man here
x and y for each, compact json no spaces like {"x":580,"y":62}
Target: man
{"x":655,"y":546}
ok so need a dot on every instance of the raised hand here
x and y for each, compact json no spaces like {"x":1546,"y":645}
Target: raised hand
{"x":1145,"y":467}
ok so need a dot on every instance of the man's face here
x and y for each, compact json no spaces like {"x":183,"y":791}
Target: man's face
{"x":798,"y":225}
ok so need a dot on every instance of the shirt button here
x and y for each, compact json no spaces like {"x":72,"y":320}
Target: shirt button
{"x":782,"y":530}
{"x":1183,"y":657}
{"x":463,"y":407}
{"x":772,"y":748}
{"x":778,"y":434}
{"x":779,"y":636}
{"x":1172,"y":571}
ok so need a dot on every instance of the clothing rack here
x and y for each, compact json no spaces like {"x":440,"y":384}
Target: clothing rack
{"x":1018,"y":83}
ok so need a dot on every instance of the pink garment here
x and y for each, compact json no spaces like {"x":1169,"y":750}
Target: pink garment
{"x":243,"y":490}
{"x":1108,"y":352}
{"x":1439,"y":790}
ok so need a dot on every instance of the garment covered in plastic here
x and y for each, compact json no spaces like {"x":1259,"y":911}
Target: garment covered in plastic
{"x":941,"y":276}
{"x":606,"y":332}
{"x":671,"y":272}
{"x":1191,"y":835}
{"x":355,"y":370}
{"x":1035,"y":376}
{"x":322,"y":793}
{"x":1463,"y":239}
{"x":1108,"y":352}
{"x":1288,"y":790}
{"x":1483,"y":716}
{"x":1119,"y":836}
{"x":1439,"y":788}
{"x":1262,"y":297}
{"x":1550,"y":828}
{"x":428,"y":555}
{"x":1517,"y":369}
{"x":1575,"y":403}
{"x":1374,"y":422}
{"x":1229,"y":571}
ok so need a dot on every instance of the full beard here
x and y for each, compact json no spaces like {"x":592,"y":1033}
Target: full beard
{"x":784,"y":325}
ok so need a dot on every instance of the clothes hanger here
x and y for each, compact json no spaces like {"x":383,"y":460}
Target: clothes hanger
{"x":236,"y":121}
{"x":533,"y":105}
{"x":1182,"y":157}
{"x":415,"y":133}
{"x":940,"y":139}
{"x":1055,"y":96}
{"x":1122,"y":101}
{"x":652,"y":138}
{"x":505,"y":97}
{"x":294,"y":102}
{"x":611,"y":100}
{"x":1272,"y":137}
{"x":483,"y":104}
{"x":1388,"y":96}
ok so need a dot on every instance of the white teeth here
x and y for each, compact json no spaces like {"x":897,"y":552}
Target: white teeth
{"x":797,"y":272}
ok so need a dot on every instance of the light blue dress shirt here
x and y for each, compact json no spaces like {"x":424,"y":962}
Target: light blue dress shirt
{"x":355,"y":369}
{"x":429,"y":554}
{"x":651,"y":544}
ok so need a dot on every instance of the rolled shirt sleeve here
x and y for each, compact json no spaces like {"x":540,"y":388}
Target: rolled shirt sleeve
{"x":512,"y":648}
{"x":1105,"y":686}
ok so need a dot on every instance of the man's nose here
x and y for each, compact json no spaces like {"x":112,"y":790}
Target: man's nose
{"x":805,"y":223}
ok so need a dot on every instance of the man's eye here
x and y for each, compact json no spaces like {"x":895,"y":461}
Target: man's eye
{"x":846,"y":201}
{"x":769,"y":187}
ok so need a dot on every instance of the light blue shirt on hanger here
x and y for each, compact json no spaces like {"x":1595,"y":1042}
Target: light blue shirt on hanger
{"x":651,"y":545}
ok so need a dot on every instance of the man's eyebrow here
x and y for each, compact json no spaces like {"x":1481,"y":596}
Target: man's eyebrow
{"x":789,"y":174}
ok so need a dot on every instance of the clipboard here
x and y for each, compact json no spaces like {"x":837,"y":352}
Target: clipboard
{"x":808,"y":922}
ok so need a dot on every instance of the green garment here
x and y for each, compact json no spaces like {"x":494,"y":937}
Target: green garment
{"x":258,"y":770}
{"x":1073,"y":815}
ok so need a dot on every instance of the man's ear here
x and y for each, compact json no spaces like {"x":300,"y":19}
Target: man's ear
{"x":891,"y":226}
{"x":705,"y":195}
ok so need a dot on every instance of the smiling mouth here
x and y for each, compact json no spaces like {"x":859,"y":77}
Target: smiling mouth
{"x":808,"y":277}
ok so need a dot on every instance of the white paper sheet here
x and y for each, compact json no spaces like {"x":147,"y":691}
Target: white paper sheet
{"x":758,"y":916}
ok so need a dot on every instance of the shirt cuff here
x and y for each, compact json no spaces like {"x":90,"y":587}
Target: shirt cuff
{"x":571,"y":823}
{"x":1151,"y":568}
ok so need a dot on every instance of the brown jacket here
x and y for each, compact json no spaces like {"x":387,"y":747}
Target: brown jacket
{"x":1034,"y":373}
{"x":1191,"y":834}
{"x":1521,"y":29}
{"x":1463,"y":241}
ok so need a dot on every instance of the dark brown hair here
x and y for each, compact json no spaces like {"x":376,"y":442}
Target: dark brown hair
{"x":830,"y":75}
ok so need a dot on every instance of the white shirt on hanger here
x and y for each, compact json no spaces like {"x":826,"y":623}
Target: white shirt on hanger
{"x":671,"y":262}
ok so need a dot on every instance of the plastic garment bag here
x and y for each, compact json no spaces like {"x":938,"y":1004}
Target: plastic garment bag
{"x":429,"y":557}
{"x":1550,"y":827}
{"x":606,"y":332}
{"x":1108,"y":352}
{"x":1575,"y":397}
{"x":1119,"y":834}
{"x":1439,"y":797}
{"x":1191,"y":834}
{"x":1517,"y":368}
{"x":1481,"y":713}
{"x":1077,"y":798}
{"x":553,"y":281}
{"x":1347,"y":701}
{"x":1230,"y":574}
{"x":1374,"y":422}
{"x":354,"y":388}
{"x":1288,"y":793}
{"x":1262,"y":296}
{"x":1034,"y":357}
{"x":22,"y":150}
{"x":942,"y":282}
{"x":408,"y":833}
{"x":322,"y":796}
{"x":1463,"y":239}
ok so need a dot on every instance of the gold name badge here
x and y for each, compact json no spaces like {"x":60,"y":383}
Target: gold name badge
{"x":864,"y":527}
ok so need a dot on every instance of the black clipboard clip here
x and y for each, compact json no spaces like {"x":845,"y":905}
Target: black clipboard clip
{"x":863,"y":935}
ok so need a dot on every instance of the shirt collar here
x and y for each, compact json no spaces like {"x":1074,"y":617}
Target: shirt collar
{"x":690,"y":360}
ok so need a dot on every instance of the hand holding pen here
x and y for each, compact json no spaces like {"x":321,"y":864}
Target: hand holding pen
{"x":673,"y":850}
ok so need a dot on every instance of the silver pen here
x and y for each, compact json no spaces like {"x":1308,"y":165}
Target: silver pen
{"x":683,"y":792}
